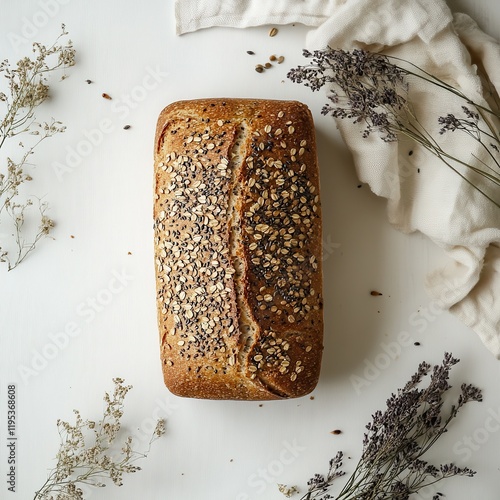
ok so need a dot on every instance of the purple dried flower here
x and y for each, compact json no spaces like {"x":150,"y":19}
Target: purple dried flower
{"x":396,"y":440}
{"x":366,"y":87}
{"x":449,"y":123}
{"x":371,"y":91}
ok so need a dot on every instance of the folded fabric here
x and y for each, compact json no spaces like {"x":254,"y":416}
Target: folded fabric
{"x":423,"y":194}
{"x":192,"y":15}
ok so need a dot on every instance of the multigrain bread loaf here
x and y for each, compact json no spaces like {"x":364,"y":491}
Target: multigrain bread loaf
{"x":237,"y":223}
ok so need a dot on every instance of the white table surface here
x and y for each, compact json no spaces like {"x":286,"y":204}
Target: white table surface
{"x":85,"y":278}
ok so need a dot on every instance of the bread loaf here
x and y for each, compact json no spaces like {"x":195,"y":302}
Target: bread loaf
{"x":237,"y":224}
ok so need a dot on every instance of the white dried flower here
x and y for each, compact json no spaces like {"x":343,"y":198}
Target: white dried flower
{"x":89,"y":454}
{"x":288,"y":491}
{"x":46,"y":225}
{"x":27,"y":89}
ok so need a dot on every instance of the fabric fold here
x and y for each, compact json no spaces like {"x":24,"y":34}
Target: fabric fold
{"x":192,"y":15}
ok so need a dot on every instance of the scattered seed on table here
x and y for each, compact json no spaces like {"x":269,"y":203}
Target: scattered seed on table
{"x":268,"y":65}
{"x":281,"y":59}
{"x":89,"y":81}
{"x":126,"y":127}
{"x":106,"y":96}
{"x":250,"y":52}
{"x":273,"y":32}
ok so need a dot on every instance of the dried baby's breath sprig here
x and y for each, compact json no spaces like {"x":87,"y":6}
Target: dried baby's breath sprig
{"x":371,"y":89}
{"x":89,"y":453}
{"x":26,"y":89}
{"x":392,"y":464}
{"x":288,"y":491}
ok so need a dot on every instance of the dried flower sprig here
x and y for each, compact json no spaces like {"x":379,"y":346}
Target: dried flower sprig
{"x":287,"y":491}
{"x":27,"y":89}
{"x":89,"y":453}
{"x":392,"y":464}
{"x":372,"y":90}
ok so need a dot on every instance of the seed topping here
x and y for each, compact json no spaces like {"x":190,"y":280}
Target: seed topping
{"x":196,"y":271}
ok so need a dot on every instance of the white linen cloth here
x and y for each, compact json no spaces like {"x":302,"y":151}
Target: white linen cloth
{"x":423,"y":194}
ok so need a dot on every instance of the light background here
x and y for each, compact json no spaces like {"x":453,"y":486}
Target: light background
{"x":103,"y":210}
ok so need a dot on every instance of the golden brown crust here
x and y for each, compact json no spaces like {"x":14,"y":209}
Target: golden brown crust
{"x":238,"y":249}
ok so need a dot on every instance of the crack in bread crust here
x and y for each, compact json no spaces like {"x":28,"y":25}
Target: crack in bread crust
{"x":247,"y":324}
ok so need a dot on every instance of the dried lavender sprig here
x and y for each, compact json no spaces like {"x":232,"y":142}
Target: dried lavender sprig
{"x":392,"y":465}
{"x":370,"y":89}
{"x":471,"y":126}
